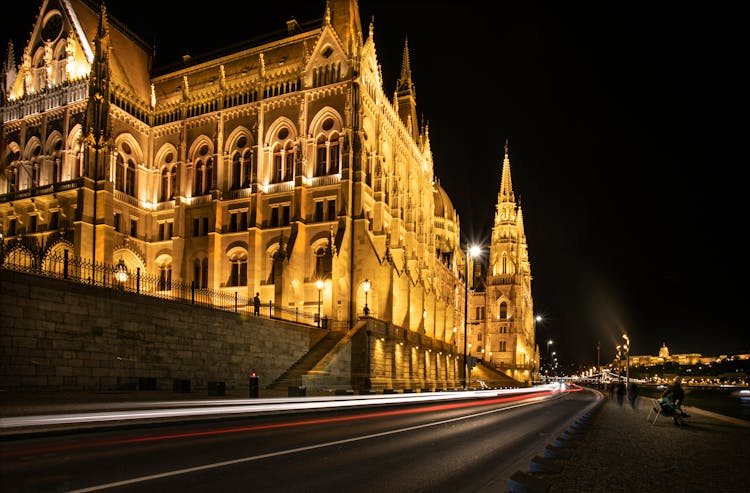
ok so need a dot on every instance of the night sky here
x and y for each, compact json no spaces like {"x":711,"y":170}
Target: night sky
{"x":624,"y":124}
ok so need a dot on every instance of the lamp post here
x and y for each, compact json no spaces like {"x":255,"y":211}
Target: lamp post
{"x":534,"y":369}
{"x":366,"y":287}
{"x":549,"y":358}
{"x":319,"y":285}
{"x":553,"y":363}
{"x":626,"y":349}
{"x":471,"y":252}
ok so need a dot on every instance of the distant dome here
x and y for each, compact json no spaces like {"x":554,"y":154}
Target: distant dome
{"x":664,"y":350}
{"x":446,"y":227}
{"x":443,"y":204}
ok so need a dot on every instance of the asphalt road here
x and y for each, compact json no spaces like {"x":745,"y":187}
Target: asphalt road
{"x":457,"y":446}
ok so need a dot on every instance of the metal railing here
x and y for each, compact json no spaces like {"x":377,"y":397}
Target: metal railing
{"x":117,"y":277}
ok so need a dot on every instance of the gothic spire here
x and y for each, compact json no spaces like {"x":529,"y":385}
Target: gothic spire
{"x":9,"y":73}
{"x":97,"y":109}
{"x":506,"y":186}
{"x":10,"y":60}
{"x":404,"y":83}
{"x":406,"y":96}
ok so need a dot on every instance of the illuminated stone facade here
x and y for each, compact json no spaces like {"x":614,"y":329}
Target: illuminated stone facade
{"x":501,"y":308}
{"x":264,"y":169}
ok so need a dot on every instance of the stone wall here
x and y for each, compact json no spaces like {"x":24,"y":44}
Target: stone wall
{"x":378,"y":355}
{"x":59,"y":335}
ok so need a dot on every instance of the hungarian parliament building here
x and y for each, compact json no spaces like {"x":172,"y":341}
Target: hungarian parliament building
{"x":282,"y":168}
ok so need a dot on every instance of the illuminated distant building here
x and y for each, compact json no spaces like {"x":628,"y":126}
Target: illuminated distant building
{"x":501,"y":307}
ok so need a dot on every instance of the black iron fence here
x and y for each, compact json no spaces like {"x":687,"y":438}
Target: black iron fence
{"x":118,"y":277}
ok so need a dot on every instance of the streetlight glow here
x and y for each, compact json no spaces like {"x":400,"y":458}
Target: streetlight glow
{"x":121,"y":272}
{"x":366,"y":288}
{"x":471,"y":252}
{"x":319,"y":285}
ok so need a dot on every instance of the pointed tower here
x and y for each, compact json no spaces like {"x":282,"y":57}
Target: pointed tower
{"x":9,"y":73}
{"x":508,"y":336}
{"x":97,"y":139}
{"x":406,"y":95}
{"x":97,"y":133}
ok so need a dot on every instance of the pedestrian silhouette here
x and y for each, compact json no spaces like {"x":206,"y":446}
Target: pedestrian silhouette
{"x":256,"y":304}
{"x":671,"y":402}
{"x":633,"y":394}
{"x":620,"y":391}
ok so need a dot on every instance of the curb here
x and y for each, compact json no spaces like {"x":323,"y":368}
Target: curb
{"x":542,"y":470}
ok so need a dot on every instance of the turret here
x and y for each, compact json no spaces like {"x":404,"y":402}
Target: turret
{"x":96,"y":125}
{"x":9,"y":73}
{"x":406,"y":95}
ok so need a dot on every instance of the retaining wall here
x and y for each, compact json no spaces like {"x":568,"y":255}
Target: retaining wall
{"x":59,"y":335}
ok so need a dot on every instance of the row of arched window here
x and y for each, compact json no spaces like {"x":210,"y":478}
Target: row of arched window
{"x":244,"y":171}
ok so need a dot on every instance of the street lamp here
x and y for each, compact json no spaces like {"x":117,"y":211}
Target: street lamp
{"x":536,"y":372}
{"x":319,"y":285}
{"x":471,"y":252}
{"x":366,"y":287}
{"x":549,"y":359}
{"x":626,"y":348}
{"x":121,"y":272}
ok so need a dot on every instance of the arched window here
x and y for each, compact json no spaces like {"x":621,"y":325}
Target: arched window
{"x":321,"y":161}
{"x":120,"y":174}
{"x":164,"y":185}
{"x":207,"y":179}
{"x":197,"y":273}
{"x":277,"y":165}
{"x":204,"y":273}
{"x":333,"y":155}
{"x":289,"y":162}
{"x":236,"y":171}
{"x":199,"y":178}
{"x":238,"y":274}
{"x":172,"y":182}
{"x":130,"y":179}
{"x":165,"y":277}
{"x":125,"y":169}
{"x":503,"y":346}
{"x":168,"y":183}
{"x":503,"y":310}
{"x":200,"y":273}
{"x":251,"y":173}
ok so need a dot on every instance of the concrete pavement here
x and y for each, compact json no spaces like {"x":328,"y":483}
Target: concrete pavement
{"x":619,"y":450}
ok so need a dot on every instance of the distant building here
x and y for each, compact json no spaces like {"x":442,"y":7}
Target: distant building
{"x":501,"y":311}
{"x":680,"y":359}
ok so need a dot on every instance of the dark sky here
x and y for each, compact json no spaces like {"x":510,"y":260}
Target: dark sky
{"x":625,"y":125}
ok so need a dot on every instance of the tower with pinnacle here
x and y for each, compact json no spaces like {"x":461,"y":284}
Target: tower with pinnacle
{"x":502,"y":334}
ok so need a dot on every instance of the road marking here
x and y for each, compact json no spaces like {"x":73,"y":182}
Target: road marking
{"x":215,"y":465}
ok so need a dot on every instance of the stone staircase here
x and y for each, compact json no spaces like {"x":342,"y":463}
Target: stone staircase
{"x":492,"y":377}
{"x":293,"y":376}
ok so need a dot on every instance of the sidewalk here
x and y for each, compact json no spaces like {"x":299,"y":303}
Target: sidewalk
{"x":619,"y":450}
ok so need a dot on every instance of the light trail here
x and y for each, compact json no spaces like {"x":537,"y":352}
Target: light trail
{"x":254,"y":406}
{"x":241,"y":460}
{"x":289,"y":424}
